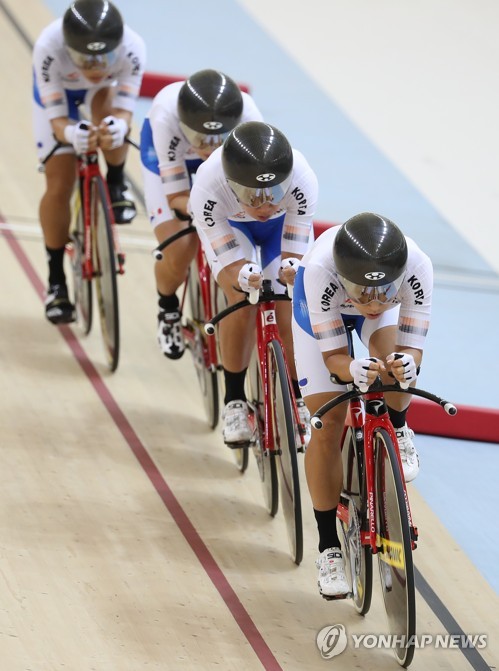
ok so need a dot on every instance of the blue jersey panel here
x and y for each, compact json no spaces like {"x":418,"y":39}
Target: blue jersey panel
{"x":265,"y":234}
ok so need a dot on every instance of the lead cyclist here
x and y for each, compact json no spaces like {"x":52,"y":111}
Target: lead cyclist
{"x":89,"y":57}
{"x":366,"y":274}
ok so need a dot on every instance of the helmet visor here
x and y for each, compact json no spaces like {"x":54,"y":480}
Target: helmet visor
{"x":92,"y":61}
{"x":202,"y":140}
{"x":365,"y":295}
{"x":255,"y":197}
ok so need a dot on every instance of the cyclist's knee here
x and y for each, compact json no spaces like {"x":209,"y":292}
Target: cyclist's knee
{"x":59,"y":185}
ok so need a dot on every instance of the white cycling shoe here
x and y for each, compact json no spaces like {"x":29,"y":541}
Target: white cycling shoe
{"x":332,"y":579}
{"x":236,"y":430}
{"x":408,"y":454}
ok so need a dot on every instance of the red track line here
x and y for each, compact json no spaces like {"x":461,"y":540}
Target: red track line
{"x":206,"y":559}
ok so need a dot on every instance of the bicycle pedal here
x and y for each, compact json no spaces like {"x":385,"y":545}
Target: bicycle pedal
{"x":238,"y":445}
{"x":339,"y":597}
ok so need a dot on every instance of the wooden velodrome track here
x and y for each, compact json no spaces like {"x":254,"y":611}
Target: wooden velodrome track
{"x":128,"y":539}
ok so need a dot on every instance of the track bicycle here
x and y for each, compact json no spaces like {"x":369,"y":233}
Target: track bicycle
{"x":273,"y":414}
{"x":95,"y":253}
{"x":374,"y":515}
{"x":203,"y":299}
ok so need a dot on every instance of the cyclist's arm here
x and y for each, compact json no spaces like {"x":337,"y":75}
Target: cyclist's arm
{"x":106,"y":139}
{"x":338,"y":364}
{"x":179,"y":202}
{"x":415,"y":308}
{"x":300,"y":204}
{"x":170,"y":147}
{"x":120,"y":113}
{"x":397,"y":367}
{"x":58,"y":127}
{"x":131,"y":73}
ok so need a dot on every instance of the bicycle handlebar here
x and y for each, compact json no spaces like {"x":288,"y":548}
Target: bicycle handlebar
{"x":156,"y":252}
{"x":317,"y":423}
{"x":263,"y":295}
{"x":59,"y":144}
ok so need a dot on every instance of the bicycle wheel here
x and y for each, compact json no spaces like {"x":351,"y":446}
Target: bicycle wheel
{"x":206,"y":374}
{"x":82,"y":285}
{"x":105,"y":271}
{"x":285,"y":432}
{"x":358,"y":557}
{"x":266,"y":463}
{"x":393,"y":539}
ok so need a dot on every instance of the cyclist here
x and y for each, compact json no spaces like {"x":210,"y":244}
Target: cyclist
{"x":254,"y":192}
{"x":366,"y":274}
{"x":186,"y":123}
{"x":89,"y":56}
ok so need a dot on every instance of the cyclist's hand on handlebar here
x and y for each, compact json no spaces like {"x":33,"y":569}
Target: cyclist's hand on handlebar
{"x":403,"y":368}
{"x":250,"y":277}
{"x":82,"y":136}
{"x":112,"y":132}
{"x":365,"y":371}
{"x":287,"y":270}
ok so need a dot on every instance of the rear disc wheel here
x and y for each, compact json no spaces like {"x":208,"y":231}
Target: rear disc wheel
{"x":393,"y":538}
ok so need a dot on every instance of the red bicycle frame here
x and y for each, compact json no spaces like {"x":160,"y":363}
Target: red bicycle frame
{"x":88,"y":173}
{"x":266,"y":331}
{"x":365,"y":421}
{"x":206,"y":285}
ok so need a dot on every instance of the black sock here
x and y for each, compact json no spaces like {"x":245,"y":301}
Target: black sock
{"x":115,"y":174}
{"x":397,"y":417}
{"x":56,"y":265}
{"x":296,"y":388}
{"x":234,"y":386}
{"x":326,"y":524}
{"x":168,"y":303}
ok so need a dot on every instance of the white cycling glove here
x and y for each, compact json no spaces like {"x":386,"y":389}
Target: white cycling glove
{"x":78,"y":136}
{"x":118,"y":129}
{"x":410,"y":368}
{"x":244,"y":274}
{"x":291,"y":262}
{"x":358,"y":370}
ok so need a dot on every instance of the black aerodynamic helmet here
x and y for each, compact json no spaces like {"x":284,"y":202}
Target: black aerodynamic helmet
{"x":92,"y":30}
{"x":257,"y":160}
{"x":370,"y":255}
{"x":209,"y":106}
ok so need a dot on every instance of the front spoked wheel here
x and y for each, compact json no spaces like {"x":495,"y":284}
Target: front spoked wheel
{"x":205,"y":371}
{"x":393,"y":539}
{"x":352,"y":518}
{"x":82,"y":285}
{"x":285,"y":432}
{"x":105,"y":271}
{"x":265,"y":461}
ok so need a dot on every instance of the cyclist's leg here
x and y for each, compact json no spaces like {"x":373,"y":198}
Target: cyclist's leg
{"x":380,"y":336}
{"x":171,"y":270}
{"x":323,"y":463}
{"x":100,"y":100}
{"x":237,"y":340}
{"x":270,"y":250}
{"x":55,"y":215}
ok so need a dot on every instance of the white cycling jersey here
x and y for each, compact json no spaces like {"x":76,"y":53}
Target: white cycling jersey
{"x":325,"y":302}
{"x":215,"y":210}
{"x":55,"y":72}
{"x":170,"y":145}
